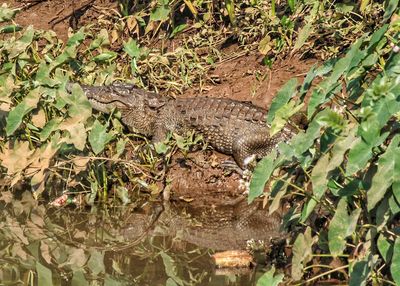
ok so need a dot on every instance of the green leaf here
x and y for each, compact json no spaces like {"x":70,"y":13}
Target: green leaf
{"x":120,"y":148}
{"x":341,"y":146}
{"x":178,"y":29}
{"x":132,"y":48}
{"x":100,"y":41}
{"x":311,"y":75}
{"x":304,"y":33}
{"x":171,"y":268}
{"x":282,"y":98}
{"x":376,"y":37}
{"x":6,"y":13}
{"x":161,"y":13}
{"x":282,"y":115}
{"x":331,"y":85}
{"x":394,"y":205}
{"x":303,"y":141}
{"x":359,"y":274}
{"x":261,"y":175}
{"x":123,"y":195}
{"x":292,"y":4}
{"x":395,"y":265}
{"x":396,"y":177}
{"x":105,"y":57}
{"x":17,"y":114}
{"x":319,"y":179}
{"x":385,"y":248}
{"x":333,"y":120}
{"x":98,"y":137}
{"x":392,"y":5}
{"x":79,"y":106}
{"x":50,"y":126}
{"x":96,"y":262}
{"x":161,"y":147}
{"x":268,"y":278}
{"x":10,"y":29}
{"x":23,"y":43}
{"x":345,"y":8}
{"x":78,"y":278}
{"x":384,"y":177}
{"x":361,"y":153}
{"x":342,"y":225}
{"x":77,"y":38}
{"x":44,"y":274}
{"x":230,"y":8}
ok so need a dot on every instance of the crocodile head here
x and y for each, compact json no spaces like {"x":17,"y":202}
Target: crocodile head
{"x":138,"y":108}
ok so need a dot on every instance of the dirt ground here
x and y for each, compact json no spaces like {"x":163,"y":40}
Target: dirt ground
{"x":243,"y":78}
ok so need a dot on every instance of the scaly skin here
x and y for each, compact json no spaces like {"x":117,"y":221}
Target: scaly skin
{"x":231,"y":127}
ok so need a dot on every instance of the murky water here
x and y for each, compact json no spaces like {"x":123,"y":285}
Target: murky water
{"x":151,"y":245}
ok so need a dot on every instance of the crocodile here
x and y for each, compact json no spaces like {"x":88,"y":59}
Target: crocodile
{"x":231,"y":127}
{"x":224,"y":227}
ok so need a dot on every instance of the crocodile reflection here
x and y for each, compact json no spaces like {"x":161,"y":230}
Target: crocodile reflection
{"x":220,"y":228}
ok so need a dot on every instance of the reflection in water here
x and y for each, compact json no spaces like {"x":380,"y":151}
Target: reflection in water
{"x":155,"y":245}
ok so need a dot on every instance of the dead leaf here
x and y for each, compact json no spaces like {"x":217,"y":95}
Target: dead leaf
{"x":265,"y":45}
{"x":80,"y":164}
{"x":45,"y":251}
{"x":16,"y":159}
{"x":77,"y":258}
{"x":114,"y":36}
{"x":77,"y":132}
{"x":41,"y":159}
{"x":39,"y":118}
{"x":6,"y":196}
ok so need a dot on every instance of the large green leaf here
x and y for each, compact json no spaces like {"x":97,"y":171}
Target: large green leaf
{"x":396,"y":175}
{"x":171,"y":268}
{"x":98,"y":137}
{"x":319,"y":179}
{"x":261,"y":175}
{"x":330,"y":85}
{"x":385,"y":248}
{"x":79,"y":105}
{"x":361,"y":153}
{"x":44,"y":274}
{"x":78,"y":278}
{"x":395,"y":265}
{"x":96,"y":262}
{"x":17,"y":114}
{"x":268,"y":278}
{"x":282,"y":97}
{"x":359,"y":274}
{"x":282,"y":116}
{"x":341,"y":226}
{"x":384,"y":177}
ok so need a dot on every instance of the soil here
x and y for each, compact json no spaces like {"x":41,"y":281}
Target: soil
{"x":198,"y":177}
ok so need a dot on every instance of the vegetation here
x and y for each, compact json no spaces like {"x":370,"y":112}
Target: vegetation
{"x":340,"y":174}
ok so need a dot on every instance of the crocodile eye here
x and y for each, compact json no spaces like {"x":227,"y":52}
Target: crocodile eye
{"x":155,"y":103}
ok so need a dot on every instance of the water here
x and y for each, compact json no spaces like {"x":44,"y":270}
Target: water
{"x":156,"y":244}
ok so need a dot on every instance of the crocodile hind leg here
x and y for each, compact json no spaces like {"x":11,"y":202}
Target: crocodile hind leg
{"x":249,"y":147}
